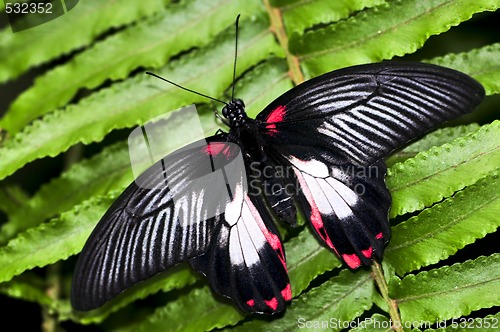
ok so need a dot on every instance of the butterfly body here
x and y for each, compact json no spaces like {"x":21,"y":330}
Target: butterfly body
{"x":319,"y":146}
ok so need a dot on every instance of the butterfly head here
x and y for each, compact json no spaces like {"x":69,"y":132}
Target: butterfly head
{"x":234,"y":111}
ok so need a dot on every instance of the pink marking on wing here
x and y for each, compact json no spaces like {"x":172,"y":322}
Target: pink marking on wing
{"x":368,"y":252}
{"x":277,"y":115}
{"x":379,"y":236}
{"x":315,"y":217}
{"x":352,"y":260}
{"x":287,"y":293}
{"x":215,"y":148}
{"x":272,"y":303}
{"x":271,"y":238}
{"x":251,"y":303}
{"x":275,"y":243}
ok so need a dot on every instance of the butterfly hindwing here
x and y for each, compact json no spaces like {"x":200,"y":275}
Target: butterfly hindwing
{"x":347,"y":207}
{"x":247,"y":260}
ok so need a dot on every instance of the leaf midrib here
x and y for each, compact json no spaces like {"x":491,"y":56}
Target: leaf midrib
{"x":333,"y":303}
{"x":370,"y":36}
{"x":431,"y":234}
{"x":454,"y":289}
{"x":405,"y":185}
{"x":135,"y":51}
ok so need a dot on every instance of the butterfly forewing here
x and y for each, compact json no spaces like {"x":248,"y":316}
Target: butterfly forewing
{"x":168,"y":215}
{"x":360,"y":114}
{"x":334,"y":129}
{"x":191,"y":206}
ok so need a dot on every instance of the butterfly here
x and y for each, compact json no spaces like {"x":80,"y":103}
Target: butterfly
{"x":320,"y":147}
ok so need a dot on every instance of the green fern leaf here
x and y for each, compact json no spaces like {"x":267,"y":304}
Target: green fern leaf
{"x":283,"y":3}
{"x":196,"y":311}
{"x":106,"y":171}
{"x":482,"y":64}
{"x":334,"y":299}
{"x":440,"y":171}
{"x":468,"y":286}
{"x":12,"y":198}
{"x":332,"y":306}
{"x":178,"y":277}
{"x":52,"y":241}
{"x":29,"y":288}
{"x":436,"y":138}
{"x":177,"y":28}
{"x":138,"y":99}
{"x":301,"y":15}
{"x":440,"y":231}
{"x":394,"y":28}
{"x":77,"y":28}
{"x":306,"y":259}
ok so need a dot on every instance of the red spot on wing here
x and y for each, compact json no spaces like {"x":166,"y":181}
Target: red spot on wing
{"x":276,"y":115}
{"x":272,"y":303}
{"x":275,"y":243}
{"x":317,"y":222}
{"x":368,"y":252}
{"x":215,"y":148}
{"x":352,"y":260}
{"x":379,"y":236}
{"x":315,"y":217}
{"x":271,"y":238}
{"x":287,"y":293}
{"x":251,"y":303}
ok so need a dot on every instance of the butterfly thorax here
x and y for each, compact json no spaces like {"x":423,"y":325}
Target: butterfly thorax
{"x":235,"y":113}
{"x":244,"y":130}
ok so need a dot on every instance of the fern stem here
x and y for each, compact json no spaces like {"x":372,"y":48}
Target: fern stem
{"x":49,"y":321}
{"x":378,"y":275}
{"x":279,"y":31}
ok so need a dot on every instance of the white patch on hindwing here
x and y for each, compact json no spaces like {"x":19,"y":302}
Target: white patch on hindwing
{"x":348,"y":195}
{"x":233,"y":209}
{"x":331,"y":196}
{"x":246,"y":237}
{"x":312,"y":167}
{"x":251,"y":237}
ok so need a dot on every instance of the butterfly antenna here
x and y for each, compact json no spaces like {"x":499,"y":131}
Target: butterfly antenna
{"x":183,"y":88}
{"x":235,"y":54}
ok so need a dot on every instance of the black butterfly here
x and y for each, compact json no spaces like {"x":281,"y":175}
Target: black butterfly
{"x":319,"y":146}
